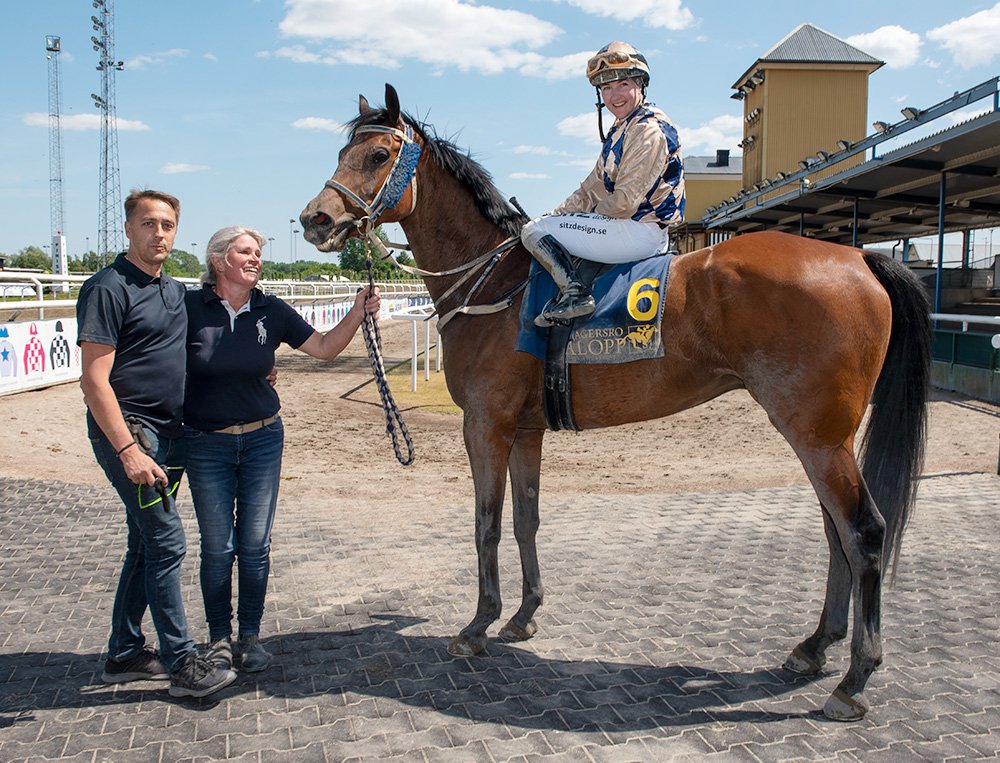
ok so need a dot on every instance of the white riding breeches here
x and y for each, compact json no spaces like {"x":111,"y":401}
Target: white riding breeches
{"x":598,"y":238}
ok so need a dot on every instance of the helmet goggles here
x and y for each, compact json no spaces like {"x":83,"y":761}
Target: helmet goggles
{"x":617,"y":61}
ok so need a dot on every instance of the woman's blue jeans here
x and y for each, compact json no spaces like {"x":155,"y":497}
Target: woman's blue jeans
{"x":151,"y":570}
{"x":234,"y":481}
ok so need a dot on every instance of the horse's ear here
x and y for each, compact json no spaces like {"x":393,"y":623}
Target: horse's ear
{"x":391,"y":104}
{"x":363,"y":107}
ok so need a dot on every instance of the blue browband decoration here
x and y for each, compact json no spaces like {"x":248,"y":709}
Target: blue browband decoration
{"x":403,"y":171}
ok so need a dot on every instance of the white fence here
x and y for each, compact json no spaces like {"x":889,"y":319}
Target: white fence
{"x":965,"y":320}
{"x":418,"y":314}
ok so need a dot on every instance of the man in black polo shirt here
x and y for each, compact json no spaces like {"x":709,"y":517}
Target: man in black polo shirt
{"x":132,"y":332}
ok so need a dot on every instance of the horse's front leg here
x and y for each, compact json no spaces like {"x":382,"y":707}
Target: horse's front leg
{"x":525,"y":468}
{"x":489,"y":450}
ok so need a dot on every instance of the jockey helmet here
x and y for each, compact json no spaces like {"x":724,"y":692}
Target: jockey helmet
{"x":615,"y":61}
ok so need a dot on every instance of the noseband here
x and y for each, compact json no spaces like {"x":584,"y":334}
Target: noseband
{"x":403,"y":172}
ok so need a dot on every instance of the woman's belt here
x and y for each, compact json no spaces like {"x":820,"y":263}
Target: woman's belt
{"x":251,"y":426}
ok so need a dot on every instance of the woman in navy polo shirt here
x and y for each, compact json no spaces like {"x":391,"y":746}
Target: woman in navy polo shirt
{"x":234,"y":433}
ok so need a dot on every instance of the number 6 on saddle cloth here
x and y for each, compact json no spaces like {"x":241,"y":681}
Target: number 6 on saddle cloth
{"x":626,"y":325}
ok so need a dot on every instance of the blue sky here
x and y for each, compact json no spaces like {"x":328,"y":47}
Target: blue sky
{"x":234,"y":105}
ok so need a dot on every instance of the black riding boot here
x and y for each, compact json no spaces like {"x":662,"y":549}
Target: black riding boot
{"x":575,"y":298}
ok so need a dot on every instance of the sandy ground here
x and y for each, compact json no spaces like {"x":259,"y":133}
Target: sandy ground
{"x":337,"y":446}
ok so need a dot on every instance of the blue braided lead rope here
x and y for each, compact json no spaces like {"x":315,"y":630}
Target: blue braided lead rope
{"x":393,"y":421}
{"x":394,"y":424}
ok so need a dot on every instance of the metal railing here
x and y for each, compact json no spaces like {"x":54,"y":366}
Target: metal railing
{"x":420,"y":314}
{"x":290,"y":291}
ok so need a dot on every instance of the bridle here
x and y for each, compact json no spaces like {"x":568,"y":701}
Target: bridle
{"x":402,"y":174}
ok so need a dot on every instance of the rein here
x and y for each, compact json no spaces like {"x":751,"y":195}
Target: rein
{"x":487,"y":262}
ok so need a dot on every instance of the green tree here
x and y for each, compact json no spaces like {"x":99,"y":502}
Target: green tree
{"x":182,"y":264}
{"x":91,"y":262}
{"x":353,"y":260}
{"x":31,"y":257}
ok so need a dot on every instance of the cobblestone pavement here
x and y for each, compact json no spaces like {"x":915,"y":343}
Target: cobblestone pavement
{"x":666,"y":621}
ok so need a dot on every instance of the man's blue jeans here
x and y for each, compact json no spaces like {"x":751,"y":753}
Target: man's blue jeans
{"x":151,"y":572}
{"x":234,"y":482}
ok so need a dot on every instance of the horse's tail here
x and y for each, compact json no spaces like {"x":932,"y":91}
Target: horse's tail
{"x":892,"y":449}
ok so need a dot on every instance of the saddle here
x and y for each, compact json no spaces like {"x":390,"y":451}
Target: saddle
{"x":625,"y":326}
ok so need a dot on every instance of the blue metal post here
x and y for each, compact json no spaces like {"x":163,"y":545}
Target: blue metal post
{"x":940,"y":262}
{"x":854,"y":224}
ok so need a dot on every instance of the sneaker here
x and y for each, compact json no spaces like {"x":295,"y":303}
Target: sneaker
{"x":142,"y":666}
{"x":251,"y":656}
{"x":220,"y":653}
{"x":197,"y":677}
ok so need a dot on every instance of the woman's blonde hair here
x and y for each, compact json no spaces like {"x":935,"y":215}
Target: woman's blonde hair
{"x":219,"y":244}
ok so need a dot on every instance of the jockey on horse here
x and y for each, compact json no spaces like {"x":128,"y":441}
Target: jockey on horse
{"x":622,"y":211}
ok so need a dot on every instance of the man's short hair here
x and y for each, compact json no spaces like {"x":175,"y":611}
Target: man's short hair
{"x":137,"y":195}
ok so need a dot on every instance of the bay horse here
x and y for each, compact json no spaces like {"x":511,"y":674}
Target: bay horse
{"x":813,"y":331}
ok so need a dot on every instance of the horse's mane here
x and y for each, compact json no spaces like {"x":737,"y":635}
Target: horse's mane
{"x":489,"y":201}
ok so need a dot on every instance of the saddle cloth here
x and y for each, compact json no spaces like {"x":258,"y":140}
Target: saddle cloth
{"x":626,"y":324}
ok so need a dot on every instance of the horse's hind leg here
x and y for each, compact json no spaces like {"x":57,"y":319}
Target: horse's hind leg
{"x":525,"y":467}
{"x":861,"y":532}
{"x":488,"y":450}
{"x":809,"y":657}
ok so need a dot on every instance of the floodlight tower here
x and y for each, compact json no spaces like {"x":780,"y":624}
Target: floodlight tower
{"x":60,"y":266}
{"x":109,"y":228}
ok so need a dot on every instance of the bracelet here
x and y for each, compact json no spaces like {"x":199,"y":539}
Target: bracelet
{"x":123,"y":448}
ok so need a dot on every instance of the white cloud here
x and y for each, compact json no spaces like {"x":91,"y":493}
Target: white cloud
{"x":558,"y":68}
{"x":963,"y":115}
{"x":972,"y":41}
{"x":177,"y":168}
{"x":721,"y":132}
{"x":664,"y":14}
{"x":585,"y":163}
{"x":443,"y":34}
{"x":898,"y":47}
{"x":539,"y":151}
{"x":210,"y":57}
{"x":583,"y":126}
{"x":318,"y":123}
{"x":130,"y":125}
{"x":299,"y":55}
{"x":529,"y":176}
{"x":138,"y":62}
{"x":80,"y":122}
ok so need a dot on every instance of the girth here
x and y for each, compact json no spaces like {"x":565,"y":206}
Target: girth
{"x":558,"y":393}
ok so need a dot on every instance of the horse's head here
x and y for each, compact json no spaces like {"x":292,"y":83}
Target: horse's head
{"x":374,"y":178}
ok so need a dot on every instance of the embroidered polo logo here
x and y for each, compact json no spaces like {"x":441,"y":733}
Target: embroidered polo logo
{"x":261,"y":332}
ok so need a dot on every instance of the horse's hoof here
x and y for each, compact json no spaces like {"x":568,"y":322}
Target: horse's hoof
{"x":843,"y":707}
{"x":513,"y":632}
{"x":801,"y":663}
{"x":466,"y":646}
